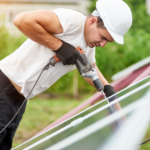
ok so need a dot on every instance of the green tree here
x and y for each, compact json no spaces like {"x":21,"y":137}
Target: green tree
{"x":4,"y":42}
{"x":9,"y":43}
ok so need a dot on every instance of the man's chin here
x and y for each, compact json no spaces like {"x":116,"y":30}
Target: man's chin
{"x":91,"y":46}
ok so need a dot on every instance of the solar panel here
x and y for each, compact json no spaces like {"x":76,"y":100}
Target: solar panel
{"x":86,"y":119}
{"x":91,"y":137}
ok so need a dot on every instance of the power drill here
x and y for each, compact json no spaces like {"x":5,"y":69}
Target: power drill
{"x":87,"y":70}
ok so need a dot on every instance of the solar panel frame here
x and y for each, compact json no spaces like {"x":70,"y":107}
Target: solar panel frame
{"x":100,"y":124}
{"x":84,"y":111}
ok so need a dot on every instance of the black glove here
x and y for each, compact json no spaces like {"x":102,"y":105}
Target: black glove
{"x":68,"y":55}
{"x":109,"y":90}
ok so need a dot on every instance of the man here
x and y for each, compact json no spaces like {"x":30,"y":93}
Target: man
{"x":50,"y":33}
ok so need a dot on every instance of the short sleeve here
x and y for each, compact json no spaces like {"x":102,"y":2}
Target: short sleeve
{"x":69,"y":19}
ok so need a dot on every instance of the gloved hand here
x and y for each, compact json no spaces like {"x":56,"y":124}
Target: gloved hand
{"x":109,"y":90}
{"x":68,"y":55}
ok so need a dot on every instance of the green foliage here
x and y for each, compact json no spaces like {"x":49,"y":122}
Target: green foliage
{"x":92,"y":6}
{"x":41,"y":113}
{"x":8,"y":43}
{"x":113,"y":57}
{"x":4,"y":42}
{"x":141,"y":20}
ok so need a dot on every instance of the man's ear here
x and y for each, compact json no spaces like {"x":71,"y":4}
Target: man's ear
{"x":93,"y":20}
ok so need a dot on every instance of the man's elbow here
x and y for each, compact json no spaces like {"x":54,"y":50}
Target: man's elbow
{"x":20,"y":20}
{"x":17,"y":20}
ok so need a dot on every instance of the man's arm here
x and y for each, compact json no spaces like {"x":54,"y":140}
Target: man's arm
{"x":39,"y":26}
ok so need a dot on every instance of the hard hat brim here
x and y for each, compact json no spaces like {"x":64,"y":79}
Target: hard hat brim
{"x":117,"y":38}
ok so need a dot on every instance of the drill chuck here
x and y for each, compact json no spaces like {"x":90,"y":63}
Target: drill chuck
{"x":98,"y":84}
{"x":95,"y":78}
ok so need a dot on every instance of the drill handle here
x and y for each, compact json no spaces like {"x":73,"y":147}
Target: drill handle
{"x":87,"y":66}
{"x":80,"y":65}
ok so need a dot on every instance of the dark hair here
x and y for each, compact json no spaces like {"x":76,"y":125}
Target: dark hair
{"x":100,"y":23}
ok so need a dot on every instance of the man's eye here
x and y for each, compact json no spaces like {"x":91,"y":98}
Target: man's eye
{"x":104,"y":38}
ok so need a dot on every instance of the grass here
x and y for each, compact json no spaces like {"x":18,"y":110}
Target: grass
{"x":42,"y":112}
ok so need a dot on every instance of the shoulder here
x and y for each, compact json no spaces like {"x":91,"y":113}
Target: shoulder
{"x":71,"y":17}
{"x":68,"y":12}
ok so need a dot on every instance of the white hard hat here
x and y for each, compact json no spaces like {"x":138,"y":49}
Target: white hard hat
{"x":116,"y":16}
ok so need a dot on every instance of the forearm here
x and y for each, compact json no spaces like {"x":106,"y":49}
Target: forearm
{"x":35,"y":31}
{"x":102,"y":78}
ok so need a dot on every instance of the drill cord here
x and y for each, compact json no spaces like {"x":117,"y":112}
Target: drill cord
{"x":45,"y":68}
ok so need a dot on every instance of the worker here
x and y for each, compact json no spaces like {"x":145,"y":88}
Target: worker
{"x":55,"y":32}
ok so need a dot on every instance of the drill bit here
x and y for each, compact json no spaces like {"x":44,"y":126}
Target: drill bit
{"x":112,"y":107}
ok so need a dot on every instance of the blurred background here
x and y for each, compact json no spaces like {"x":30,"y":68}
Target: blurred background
{"x":71,"y":89}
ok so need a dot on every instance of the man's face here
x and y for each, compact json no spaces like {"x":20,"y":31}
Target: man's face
{"x":95,"y":36}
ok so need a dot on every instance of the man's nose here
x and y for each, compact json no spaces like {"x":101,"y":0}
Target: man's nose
{"x":103,"y":43}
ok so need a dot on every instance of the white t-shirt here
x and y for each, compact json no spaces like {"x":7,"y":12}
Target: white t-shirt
{"x":25,"y":64}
